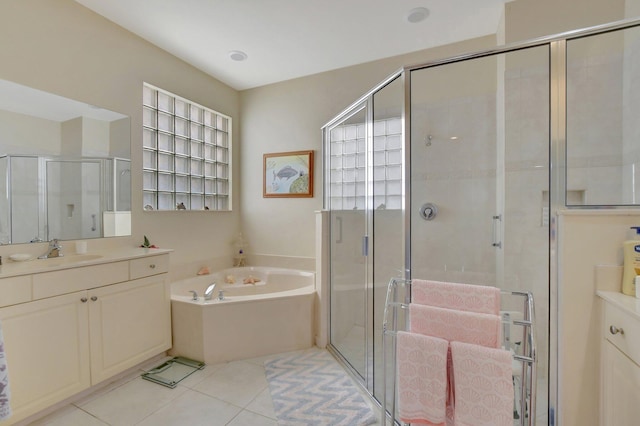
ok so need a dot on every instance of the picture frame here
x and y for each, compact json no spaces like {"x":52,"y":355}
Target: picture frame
{"x":288,"y":174}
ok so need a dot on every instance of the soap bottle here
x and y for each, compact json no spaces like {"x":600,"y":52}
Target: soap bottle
{"x":631,"y":249}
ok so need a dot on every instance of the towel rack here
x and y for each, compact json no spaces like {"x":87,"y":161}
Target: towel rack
{"x":396,"y":318}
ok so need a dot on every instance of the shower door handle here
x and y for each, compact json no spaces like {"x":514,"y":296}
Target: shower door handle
{"x":365,"y":245}
{"x":496,"y":226}
{"x":339,"y":223}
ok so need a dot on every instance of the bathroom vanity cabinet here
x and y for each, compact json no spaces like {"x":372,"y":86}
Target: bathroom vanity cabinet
{"x":69,"y":329}
{"x":620,"y":368}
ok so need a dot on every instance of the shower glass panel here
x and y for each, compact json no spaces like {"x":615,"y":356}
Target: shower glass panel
{"x":346,"y":155}
{"x":388,"y":212}
{"x":74,"y":203}
{"x":479,"y":148}
{"x":122,"y":190}
{"x":26,"y":218}
{"x":603,"y":103}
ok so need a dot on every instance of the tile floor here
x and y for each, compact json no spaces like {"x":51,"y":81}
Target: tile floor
{"x":233,"y":394}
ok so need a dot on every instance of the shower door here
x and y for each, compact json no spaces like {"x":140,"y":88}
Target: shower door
{"x":480,"y":154}
{"x":74,"y":199}
{"x":346,"y":154}
{"x":364,"y":152}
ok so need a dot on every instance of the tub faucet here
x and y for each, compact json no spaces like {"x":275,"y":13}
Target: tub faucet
{"x":208,"y":293}
{"x":54,"y":250}
{"x":221,"y":295}
{"x":194,"y":294}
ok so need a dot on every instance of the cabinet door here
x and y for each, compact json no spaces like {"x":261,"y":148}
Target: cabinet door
{"x":47,"y":349}
{"x":129,"y":323}
{"x":621,"y":393}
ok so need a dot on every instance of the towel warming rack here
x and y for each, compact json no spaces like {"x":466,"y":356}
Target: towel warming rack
{"x":396,"y":318}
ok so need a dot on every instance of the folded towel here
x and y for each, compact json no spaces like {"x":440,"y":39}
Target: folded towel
{"x":468,"y":327}
{"x":422,"y":379}
{"x":483,"y":385}
{"x":5,"y":408}
{"x":462,"y":297}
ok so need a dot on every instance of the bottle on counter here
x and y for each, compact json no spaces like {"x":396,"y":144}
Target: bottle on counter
{"x":631,"y":249}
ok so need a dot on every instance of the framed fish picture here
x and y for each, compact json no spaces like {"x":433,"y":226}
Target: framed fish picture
{"x":288,"y":174}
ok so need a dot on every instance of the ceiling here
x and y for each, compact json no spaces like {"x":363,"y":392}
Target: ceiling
{"x":286,"y":39}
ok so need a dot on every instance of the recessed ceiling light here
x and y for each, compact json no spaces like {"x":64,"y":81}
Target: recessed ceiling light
{"x":237,"y":55}
{"x":417,"y":14}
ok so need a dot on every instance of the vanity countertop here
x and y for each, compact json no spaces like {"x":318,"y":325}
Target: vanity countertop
{"x":629,"y":304}
{"x":72,"y":260}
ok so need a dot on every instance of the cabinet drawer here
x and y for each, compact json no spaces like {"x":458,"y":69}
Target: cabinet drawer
{"x":628,"y":340}
{"x":15,"y":290}
{"x":53,"y":283}
{"x":147,"y":266}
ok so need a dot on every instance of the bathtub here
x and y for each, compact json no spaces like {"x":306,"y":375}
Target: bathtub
{"x":272,"y":312}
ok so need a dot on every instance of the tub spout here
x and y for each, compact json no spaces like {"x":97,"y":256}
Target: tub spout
{"x":208,"y":293}
{"x":195,"y":294}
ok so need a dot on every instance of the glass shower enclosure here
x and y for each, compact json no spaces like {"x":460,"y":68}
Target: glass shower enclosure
{"x":451,"y":171}
{"x":62,"y":197}
{"x":441,"y":172}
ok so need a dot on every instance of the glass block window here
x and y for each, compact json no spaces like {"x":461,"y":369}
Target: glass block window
{"x":186,"y":154}
{"x":348,"y":166}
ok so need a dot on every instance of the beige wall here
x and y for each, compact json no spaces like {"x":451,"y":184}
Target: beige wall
{"x":527,"y":19}
{"x":288,"y":116}
{"x":61,"y":47}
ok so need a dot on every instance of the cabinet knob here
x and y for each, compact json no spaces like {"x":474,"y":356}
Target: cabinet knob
{"x":94,"y":298}
{"x":615,"y":330}
{"x":83,"y":300}
{"x":152,"y":266}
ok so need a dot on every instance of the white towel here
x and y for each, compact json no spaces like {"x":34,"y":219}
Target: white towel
{"x":5,"y":408}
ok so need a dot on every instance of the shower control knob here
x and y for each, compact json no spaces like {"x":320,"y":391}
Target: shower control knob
{"x":428,"y":211}
{"x":615,"y":330}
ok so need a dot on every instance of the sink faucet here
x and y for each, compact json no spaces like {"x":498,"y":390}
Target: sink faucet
{"x":54,"y":250}
{"x":208,"y":293}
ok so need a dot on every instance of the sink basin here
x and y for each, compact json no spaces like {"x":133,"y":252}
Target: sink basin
{"x":72,"y":258}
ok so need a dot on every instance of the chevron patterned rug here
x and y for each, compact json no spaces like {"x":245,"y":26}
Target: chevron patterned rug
{"x":311,"y":388}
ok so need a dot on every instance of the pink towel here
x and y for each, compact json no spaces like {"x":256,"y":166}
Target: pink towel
{"x":422,"y":379}
{"x":483,"y":385}
{"x":462,"y":297}
{"x":468,"y":327}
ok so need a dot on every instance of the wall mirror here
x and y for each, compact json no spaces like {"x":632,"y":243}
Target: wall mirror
{"x":603,"y":103}
{"x":64,"y":168}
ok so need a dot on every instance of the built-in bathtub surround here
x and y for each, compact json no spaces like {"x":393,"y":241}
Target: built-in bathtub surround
{"x":260,"y":311}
